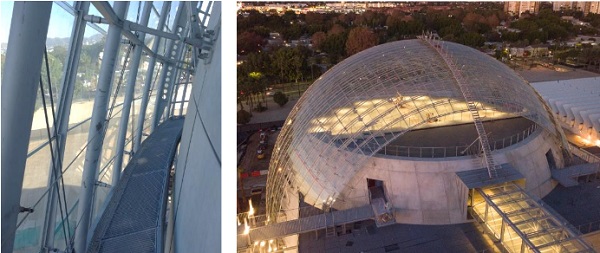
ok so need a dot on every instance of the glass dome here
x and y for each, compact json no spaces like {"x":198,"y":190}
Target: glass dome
{"x":372,"y":98}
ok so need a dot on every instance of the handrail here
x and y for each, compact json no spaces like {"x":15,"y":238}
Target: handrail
{"x":583,"y":154}
{"x":455,"y":151}
{"x":589,"y":227}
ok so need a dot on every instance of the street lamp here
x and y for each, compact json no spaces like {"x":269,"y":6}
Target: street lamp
{"x":247,"y":232}
{"x":251,"y":210}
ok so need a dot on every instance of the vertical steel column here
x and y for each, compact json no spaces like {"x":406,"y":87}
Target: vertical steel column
{"x":187,"y":82}
{"x":20,"y":82}
{"x":64,"y":111}
{"x":137,"y":139}
{"x":176,"y":70}
{"x":167,"y":72}
{"x":173,"y":99}
{"x":133,"y":71}
{"x":96,"y":132}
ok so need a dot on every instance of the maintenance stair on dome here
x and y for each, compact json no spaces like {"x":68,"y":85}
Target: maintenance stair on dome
{"x":134,"y":217}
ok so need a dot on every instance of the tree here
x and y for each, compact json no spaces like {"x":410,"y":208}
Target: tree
{"x":289,"y":16}
{"x":317,"y":40}
{"x":334,"y":46}
{"x":493,"y":21}
{"x":471,"y":20}
{"x":471,"y":39}
{"x":252,"y":75}
{"x":293,"y":32}
{"x":359,"y":39}
{"x":287,"y":63}
{"x":249,"y":42}
{"x":336,"y":30}
{"x":280,"y":98}
{"x":243,"y":117}
{"x":313,"y":18}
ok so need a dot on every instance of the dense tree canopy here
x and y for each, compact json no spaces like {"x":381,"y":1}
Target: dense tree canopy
{"x":335,"y":36}
{"x":359,"y":39}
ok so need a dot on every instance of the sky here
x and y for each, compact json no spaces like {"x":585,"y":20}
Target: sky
{"x":61,"y":22}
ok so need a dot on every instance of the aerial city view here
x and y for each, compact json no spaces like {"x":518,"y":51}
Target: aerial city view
{"x":418,"y":127}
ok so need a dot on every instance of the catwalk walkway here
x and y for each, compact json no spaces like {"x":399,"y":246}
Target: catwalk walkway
{"x":133,"y":219}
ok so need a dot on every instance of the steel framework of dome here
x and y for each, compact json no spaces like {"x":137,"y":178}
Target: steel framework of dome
{"x":372,"y":98}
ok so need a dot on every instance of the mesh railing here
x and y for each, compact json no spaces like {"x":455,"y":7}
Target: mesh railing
{"x":454,"y":151}
{"x":294,"y":226}
{"x":256,"y":221}
{"x":583,"y":154}
{"x":589,"y":227}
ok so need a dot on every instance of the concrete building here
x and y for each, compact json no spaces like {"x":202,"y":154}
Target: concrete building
{"x":89,"y":170}
{"x":560,"y":5}
{"x":591,"y":7}
{"x":586,"y":7}
{"x":519,"y":7}
{"x":576,"y":103}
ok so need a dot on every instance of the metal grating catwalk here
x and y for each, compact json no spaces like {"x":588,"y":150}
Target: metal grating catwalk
{"x":306,"y":224}
{"x":133,"y":219}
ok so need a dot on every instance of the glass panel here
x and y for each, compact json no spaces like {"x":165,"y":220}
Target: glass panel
{"x":106,"y":161}
{"x":30,"y":225}
{"x":153,"y":21}
{"x":511,"y":240}
{"x":494,"y":221}
{"x":33,"y":195}
{"x":93,"y":11}
{"x":6,"y":9}
{"x":171,"y":18}
{"x":152,"y":99}
{"x":35,"y":181}
{"x":134,"y":13}
{"x":59,"y":233}
{"x":203,"y":6}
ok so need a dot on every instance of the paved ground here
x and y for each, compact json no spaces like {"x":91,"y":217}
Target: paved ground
{"x":366,"y":237}
{"x":249,"y":163}
{"x":541,"y":74}
{"x":274,"y":113}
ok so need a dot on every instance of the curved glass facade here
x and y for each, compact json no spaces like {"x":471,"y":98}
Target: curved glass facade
{"x":372,"y":98}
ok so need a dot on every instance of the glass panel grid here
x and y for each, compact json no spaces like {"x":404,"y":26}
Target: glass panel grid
{"x":525,"y":219}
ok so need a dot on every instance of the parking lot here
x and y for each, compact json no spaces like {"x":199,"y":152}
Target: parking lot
{"x":253,"y":169}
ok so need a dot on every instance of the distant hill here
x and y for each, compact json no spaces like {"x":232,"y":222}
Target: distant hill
{"x":52,"y":42}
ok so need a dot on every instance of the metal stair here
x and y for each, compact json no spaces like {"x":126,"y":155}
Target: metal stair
{"x":469,"y":98}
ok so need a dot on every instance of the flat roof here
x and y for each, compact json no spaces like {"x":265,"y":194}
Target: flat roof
{"x":366,"y":237}
{"x":480,"y":178}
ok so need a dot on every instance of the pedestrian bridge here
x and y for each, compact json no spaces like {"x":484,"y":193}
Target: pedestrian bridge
{"x":301,"y":225}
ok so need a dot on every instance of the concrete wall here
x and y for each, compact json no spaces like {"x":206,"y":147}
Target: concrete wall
{"x":197,"y":188}
{"x":427,"y":191}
